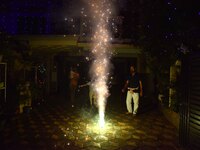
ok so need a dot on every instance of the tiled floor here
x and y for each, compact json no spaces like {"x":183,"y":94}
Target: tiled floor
{"x":58,"y":127}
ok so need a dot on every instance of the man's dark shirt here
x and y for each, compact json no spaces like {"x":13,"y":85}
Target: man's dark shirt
{"x":134,"y":82}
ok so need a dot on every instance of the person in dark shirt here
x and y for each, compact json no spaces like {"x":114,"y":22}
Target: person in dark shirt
{"x":134,"y":90}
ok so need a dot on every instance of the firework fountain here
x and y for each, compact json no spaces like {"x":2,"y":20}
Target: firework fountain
{"x":101,"y":10}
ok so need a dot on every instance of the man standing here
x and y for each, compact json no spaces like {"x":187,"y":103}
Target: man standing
{"x":92,"y":95}
{"x":74,"y":77}
{"x":134,"y":86}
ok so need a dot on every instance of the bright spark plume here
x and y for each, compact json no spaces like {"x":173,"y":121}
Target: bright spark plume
{"x":101,"y":11}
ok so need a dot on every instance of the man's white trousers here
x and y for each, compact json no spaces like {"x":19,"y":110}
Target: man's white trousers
{"x":135,"y":97}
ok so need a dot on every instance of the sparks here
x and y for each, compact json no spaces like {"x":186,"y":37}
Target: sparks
{"x":100,"y":66}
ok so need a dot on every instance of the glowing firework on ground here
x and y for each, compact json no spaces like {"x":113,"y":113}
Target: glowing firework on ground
{"x":101,"y":11}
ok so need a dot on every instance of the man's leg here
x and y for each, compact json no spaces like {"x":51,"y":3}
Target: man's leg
{"x":128,"y":102}
{"x":136,"y":102}
{"x":72,"y":96}
{"x":91,"y":97}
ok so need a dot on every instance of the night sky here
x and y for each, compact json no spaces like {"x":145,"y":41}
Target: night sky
{"x":175,"y":13}
{"x":172,"y":20}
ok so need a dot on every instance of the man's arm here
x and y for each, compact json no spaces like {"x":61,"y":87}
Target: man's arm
{"x":125,"y":86}
{"x":86,"y":84}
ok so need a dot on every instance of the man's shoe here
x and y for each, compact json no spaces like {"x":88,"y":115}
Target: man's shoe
{"x":134,"y":113}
